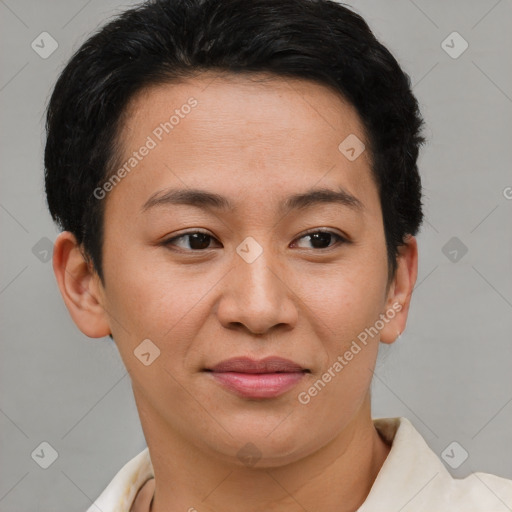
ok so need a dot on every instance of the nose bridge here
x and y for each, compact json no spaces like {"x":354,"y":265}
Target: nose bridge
{"x":258,"y":283}
{"x":258,"y":296}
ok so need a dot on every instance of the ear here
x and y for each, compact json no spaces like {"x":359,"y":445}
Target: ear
{"x":400,"y":291}
{"x":80,"y":287}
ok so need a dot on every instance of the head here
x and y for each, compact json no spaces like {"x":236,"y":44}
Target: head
{"x":257,"y":124}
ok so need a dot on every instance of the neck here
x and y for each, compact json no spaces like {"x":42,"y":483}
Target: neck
{"x":336,"y":478}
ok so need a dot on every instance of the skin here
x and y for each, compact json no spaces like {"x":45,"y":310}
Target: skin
{"x":256,"y":144}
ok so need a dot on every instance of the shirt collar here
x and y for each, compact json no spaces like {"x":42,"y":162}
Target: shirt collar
{"x":409,"y":467}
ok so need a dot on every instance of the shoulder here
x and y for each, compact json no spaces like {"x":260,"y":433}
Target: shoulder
{"x":480,"y":492}
{"x":414,"y":479}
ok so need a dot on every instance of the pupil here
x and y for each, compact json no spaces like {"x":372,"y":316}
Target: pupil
{"x":320,"y":240}
{"x":199,"y":241}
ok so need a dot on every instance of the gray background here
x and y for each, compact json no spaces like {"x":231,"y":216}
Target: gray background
{"x":449,"y":373}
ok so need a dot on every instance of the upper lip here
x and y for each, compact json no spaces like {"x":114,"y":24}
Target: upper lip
{"x":248,"y":365}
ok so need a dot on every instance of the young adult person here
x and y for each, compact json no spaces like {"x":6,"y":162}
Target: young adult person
{"x":238,"y":190}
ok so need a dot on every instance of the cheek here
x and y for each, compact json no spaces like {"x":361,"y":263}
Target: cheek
{"x":331,"y":399}
{"x":342,"y":311}
{"x":152,"y":299}
{"x":346,"y":300}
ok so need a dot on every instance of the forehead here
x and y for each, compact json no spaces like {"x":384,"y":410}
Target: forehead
{"x":261,"y":133}
{"x":263,"y":104}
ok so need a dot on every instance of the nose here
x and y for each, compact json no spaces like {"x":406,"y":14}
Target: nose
{"x":257,"y":297}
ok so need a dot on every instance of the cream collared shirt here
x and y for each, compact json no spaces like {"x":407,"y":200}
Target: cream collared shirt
{"x":412,"y":479}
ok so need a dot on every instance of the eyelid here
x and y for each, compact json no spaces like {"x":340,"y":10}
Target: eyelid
{"x":191,"y":232}
{"x":323,"y":230}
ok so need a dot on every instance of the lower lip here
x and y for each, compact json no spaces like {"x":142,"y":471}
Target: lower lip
{"x":258,"y":385}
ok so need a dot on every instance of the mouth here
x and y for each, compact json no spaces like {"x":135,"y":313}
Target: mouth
{"x":258,"y":379}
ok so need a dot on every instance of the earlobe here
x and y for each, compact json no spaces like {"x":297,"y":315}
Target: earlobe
{"x":400,"y":291}
{"x":78,"y":284}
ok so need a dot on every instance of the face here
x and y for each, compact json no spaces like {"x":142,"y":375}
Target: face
{"x":244,"y":231}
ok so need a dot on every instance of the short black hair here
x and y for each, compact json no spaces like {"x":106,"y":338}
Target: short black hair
{"x":167,"y":41}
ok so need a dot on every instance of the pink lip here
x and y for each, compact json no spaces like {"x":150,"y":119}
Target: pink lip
{"x":266,"y":378}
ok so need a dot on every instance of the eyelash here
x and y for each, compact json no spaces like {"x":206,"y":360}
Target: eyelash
{"x":341,"y":240}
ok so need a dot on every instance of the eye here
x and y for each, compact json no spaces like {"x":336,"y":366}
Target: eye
{"x":322,"y":239}
{"x":196,"y":241}
{"x":191,"y":241}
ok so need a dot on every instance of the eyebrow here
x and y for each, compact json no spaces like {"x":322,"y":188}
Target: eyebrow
{"x":210,"y":200}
